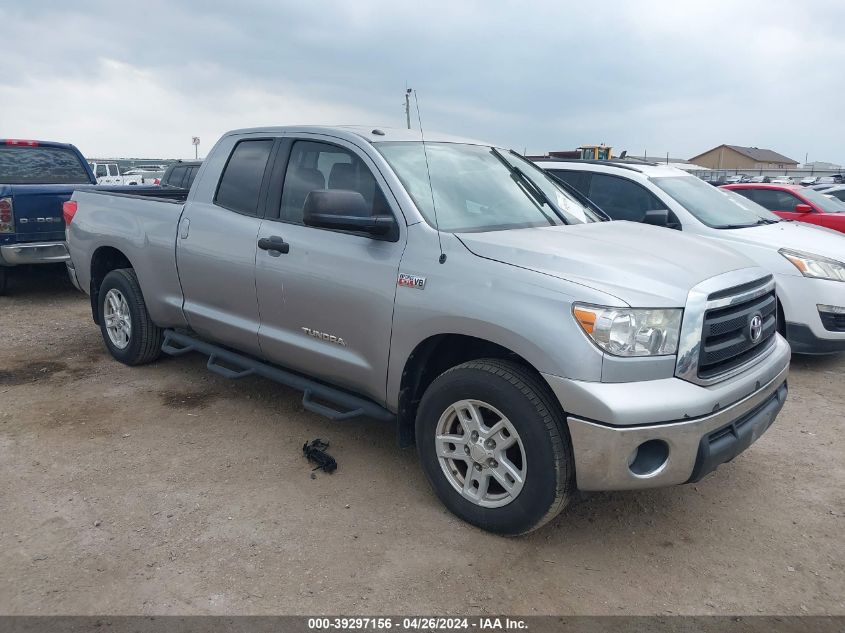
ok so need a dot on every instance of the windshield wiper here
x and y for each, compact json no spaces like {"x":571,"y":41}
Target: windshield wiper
{"x":745,"y":226}
{"x":534,"y":189}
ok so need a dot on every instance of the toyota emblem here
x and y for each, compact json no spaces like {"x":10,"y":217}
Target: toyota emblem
{"x":755,"y":327}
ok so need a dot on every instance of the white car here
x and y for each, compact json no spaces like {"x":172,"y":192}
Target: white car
{"x":806,"y":260}
{"x":139,"y":176}
{"x":106,"y":173}
{"x":783,"y":180}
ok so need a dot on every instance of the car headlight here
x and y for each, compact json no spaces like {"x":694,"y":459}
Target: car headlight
{"x":815,"y":266}
{"x":631,"y":331}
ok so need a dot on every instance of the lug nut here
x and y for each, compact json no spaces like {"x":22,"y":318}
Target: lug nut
{"x":492,"y":463}
{"x":490,"y":444}
{"x":477,"y":466}
{"x":474,"y":436}
{"x":466,"y":450}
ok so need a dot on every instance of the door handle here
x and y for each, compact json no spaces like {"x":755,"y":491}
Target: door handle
{"x":274,"y":244}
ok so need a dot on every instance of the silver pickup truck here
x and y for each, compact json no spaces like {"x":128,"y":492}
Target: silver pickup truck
{"x":453,"y":288}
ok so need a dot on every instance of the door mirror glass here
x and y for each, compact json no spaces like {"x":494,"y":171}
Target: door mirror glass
{"x":344,"y":210}
{"x":803,"y":208}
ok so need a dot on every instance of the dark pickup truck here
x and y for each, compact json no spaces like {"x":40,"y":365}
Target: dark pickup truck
{"x":36,"y":177}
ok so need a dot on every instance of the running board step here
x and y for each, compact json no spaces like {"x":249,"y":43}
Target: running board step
{"x":233,"y":366}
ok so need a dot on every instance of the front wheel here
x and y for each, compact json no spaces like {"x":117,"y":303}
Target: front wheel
{"x":129,"y":333}
{"x":494,"y":445}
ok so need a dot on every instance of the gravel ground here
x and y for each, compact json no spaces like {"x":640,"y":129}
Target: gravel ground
{"x":168,"y":490}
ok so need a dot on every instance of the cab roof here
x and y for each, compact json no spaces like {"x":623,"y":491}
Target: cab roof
{"x":650,"y":170}
{"x":371,"y":134}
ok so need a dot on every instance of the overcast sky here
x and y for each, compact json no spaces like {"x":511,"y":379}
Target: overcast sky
{"x":142,"y":78}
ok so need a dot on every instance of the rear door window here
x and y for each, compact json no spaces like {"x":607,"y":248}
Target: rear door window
{"x":240,"y":184}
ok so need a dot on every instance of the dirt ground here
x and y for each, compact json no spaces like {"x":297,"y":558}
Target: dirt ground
{"x":169,"y":490}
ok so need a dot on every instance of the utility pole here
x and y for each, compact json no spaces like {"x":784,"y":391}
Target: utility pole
{"x":408,"y":107}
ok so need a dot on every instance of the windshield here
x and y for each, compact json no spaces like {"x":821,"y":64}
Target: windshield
{"x":712,"y":205}
{"x":828,"y":205}
{"x":477,"y":188}
{"x":41,"y":166}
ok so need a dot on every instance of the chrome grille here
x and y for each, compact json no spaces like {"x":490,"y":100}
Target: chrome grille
{"x":727,"y":337}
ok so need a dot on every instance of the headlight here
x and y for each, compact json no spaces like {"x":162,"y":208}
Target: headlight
{"x":629,"y":331}
{"x":815,"y":266}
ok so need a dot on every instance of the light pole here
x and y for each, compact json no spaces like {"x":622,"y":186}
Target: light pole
{"x":408,"y":107}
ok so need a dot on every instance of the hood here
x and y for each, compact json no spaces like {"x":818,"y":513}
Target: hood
{"x":799,"y":236}
{"x":644,"y":266}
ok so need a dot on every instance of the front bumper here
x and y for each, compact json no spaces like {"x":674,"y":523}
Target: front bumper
{"x":805,"y":330}
{"x":33,"y":253}
{"x":650,"y":453}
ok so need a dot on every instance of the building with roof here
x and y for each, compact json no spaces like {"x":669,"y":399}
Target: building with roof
{"x":739,"y":157}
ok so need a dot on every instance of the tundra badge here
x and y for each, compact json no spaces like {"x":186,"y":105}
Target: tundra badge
{"x":323,"y":336}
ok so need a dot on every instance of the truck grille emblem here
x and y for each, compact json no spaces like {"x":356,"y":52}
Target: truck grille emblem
{"x":755,"y":327}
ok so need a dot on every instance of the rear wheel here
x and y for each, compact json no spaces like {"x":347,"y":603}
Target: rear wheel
{"x":493,"y":443}
{"x":129,"y":333}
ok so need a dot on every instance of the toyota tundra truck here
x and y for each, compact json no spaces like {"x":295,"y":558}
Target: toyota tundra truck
{"x":453,"y":289}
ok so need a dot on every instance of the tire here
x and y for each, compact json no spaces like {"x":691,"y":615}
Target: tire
{"x":140,"y":343}
{"x":541,"y":454}
{"x":3,"y":277}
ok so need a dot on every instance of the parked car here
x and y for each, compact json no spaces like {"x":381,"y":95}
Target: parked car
{"x":454,"y":288}
{"x":809,"y":180}
{"x":834,"y":191}
{"x":830,"y":180}
{"x":181,"y":174}
{"x":106,"y":173}
{"x":796,"y":203}
{"x":760,"y":179}
{"x":822,"y":186}
{"x":806,"y":262}
{"x":737,"y":178}
{"x":35,"y":178}
{"x":139,"y":176}
{"x":782,"y":180}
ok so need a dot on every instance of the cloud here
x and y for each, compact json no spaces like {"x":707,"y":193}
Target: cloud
{"x":656,"y":75}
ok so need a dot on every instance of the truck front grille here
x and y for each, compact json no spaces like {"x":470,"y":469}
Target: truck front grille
{"x":730,"y":332}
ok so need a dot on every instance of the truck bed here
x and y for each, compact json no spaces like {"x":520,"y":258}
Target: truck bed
{"x":140,"y":226}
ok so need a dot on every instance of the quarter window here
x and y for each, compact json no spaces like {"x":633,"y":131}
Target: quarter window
{"x":315,"y":166}
{"x":240,"y":184}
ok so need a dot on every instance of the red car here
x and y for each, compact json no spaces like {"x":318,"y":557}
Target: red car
{"x":793,"y":202}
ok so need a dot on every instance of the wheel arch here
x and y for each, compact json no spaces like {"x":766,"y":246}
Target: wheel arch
{"x":104,"y":260}
{"x":430,"y":358}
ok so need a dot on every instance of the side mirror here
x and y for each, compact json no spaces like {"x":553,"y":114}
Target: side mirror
{"x":343,"y":210}
{"x":803,"y":208}
{"x":657,"y":217}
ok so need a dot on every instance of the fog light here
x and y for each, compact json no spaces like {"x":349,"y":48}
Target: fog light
{"x":831,"y":309}
{"x":649,"y":458}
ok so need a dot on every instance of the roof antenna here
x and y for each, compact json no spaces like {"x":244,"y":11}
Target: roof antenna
{"x":442,"y":259}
